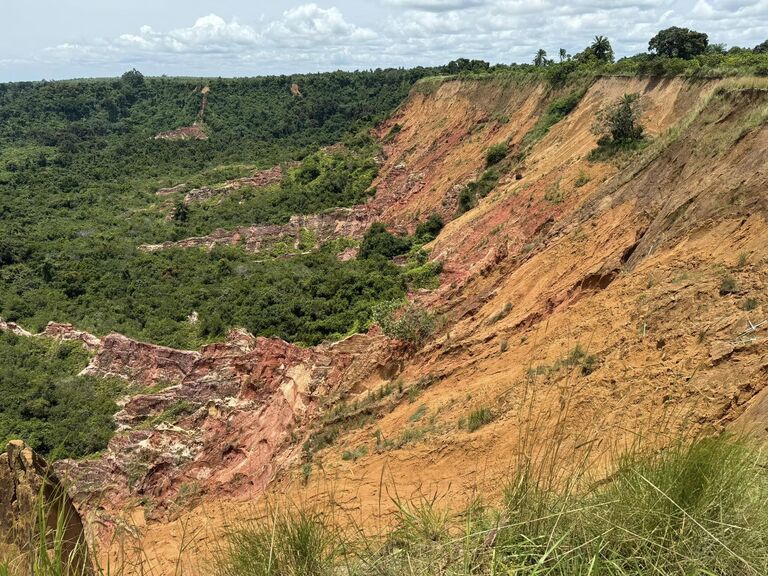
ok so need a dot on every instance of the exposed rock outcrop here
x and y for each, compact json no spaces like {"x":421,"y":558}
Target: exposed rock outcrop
{"x":194,"y":132}
{"x":330,"y":225}
{"x":140,"y":362}
{"x":260,"y":179}
{"x":67,"y":332}
{"x":227,"y":425}
{"x":31,"y":491}
{"x":14,"y":328}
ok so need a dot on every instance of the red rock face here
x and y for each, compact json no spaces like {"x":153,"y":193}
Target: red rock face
{"x":67,"y":332}
{"x":140,"y":362}
{"x":231,"y":419}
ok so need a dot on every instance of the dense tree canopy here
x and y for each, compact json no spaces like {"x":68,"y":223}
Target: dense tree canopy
{"x":675,"y":42}
{"x":44,"y":402}
{"x":79,"y":168}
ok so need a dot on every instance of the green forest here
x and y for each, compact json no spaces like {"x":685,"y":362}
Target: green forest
{"x":45,"y":402}
{"x":79,"y":168}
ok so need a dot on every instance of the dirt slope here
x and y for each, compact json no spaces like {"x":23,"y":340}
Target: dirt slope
{"x":620,"y":311}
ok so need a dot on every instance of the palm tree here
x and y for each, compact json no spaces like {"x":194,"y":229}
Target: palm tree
{"x":541,"y":58}
{"x":602,"y":50}
{"x":563,"y":54}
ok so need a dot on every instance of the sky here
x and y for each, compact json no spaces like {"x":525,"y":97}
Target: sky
{"x":56,"y":39}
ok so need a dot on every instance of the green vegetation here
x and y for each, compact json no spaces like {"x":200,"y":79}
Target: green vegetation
{"x":353,"y":455}
{"x":325,"y":179}
{"x":171,"y":414}
{"x":691,"y":509}
{"x":429,"y":229}
{"x":477,"y":189}
{"x":476,"y":419}
{"x":728,"y":285}
{"x":307,"y":299}
{"x":618,"y":125}
{"x":581,"y":179}
{"x":496,"y":154}
{"x":750,"y":304}
{"x":677,"y":42}
{"x":378,"y":241}
{"x":556,"y":111}
{"x":45,"y":403}
{"x":407,"y":322}
{"x":577,"y":357}
{"x":78,"y":173}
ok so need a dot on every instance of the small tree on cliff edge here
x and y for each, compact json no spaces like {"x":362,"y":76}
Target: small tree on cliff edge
{"x":620,"y":120}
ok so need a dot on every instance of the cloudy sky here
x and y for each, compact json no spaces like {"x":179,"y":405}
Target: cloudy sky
{"x":75,"y":38}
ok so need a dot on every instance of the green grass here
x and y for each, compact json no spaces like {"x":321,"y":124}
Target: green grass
{"x":693,"y":509}
{"x":478,"y":418}
{"x":556,"y":111}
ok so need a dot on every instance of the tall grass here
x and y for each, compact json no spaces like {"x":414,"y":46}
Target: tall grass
{"x":699,"y":508}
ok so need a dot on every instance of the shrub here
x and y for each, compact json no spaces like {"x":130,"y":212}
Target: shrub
{"x":478,"y":418}
{"x":581,"y":179}
{"x":353,"y":455}
{"x":620,"y":119}
{"x":409,"y":323}
{"x":378,"y":241}
{"x":618,"y":125}
{"x":478,"y":189}
{"x":728,"y":285}
{"x":429,"y":229}
{"x":426,"y":275}
{"x":750,"y":304}
{"x":496,"y":154}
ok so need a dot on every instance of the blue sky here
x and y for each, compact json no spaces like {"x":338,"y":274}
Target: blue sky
{"x":56,"y":39}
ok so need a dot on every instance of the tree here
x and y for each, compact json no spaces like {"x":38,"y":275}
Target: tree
{"x":677,"y":42}
{"x":133,"y":78}
{"x":619,"y":120}
{"x":761,"y":48}
{"x":378,"y":241}
{"x":465,"y":65}
{"x":601,"y":49}
{"x":563,"y":54}
{"x":180,"y":212}
{"x":541,"y":58}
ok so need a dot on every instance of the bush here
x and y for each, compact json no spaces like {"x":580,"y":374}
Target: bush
{"x":620,"y":120}
{"x":478,"y":418}
{"x":409,"y":323}
{"x":429,"y":229}
{"x":478,"y":189}
{"x":496,"y":154}
{"x":378,"y":241}
{"x":728,"y":285}
{"x":618,"y":126}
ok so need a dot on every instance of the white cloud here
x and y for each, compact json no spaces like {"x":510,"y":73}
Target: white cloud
{"x":311,"y":37}
{"x":437,"y":5}
{"x":311,"y":23}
